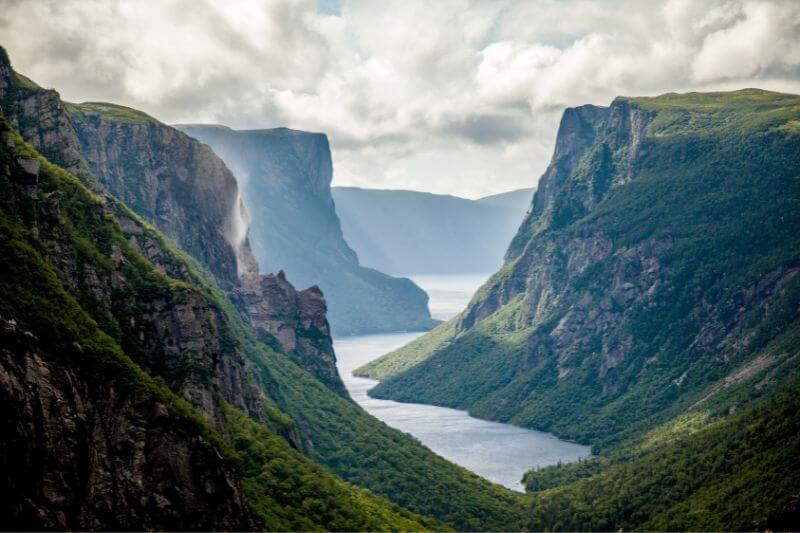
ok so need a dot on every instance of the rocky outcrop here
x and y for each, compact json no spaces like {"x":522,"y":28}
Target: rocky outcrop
{"x":297,"y":320}
{"x":40,"y":117}
{"x":285,"y":177}
{"x":85,"y":454}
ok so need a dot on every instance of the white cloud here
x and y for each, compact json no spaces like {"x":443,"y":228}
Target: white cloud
{"x":453,"y":96}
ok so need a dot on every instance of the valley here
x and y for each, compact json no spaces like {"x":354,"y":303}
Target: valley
{"x":501,"y":453}
{"x":285,"y":291}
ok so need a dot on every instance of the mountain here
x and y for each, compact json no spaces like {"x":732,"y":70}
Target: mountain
{"x":518,"y":200}
{"x":648,"y":305}
{"x":409,"y":232}
{"x":285,"y":178}
{"x":656,"y":269}
{"x":138,"y":390}
{"x":181,"y":187}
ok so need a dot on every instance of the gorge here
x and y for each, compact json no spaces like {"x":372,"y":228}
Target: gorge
{"x":188,"y":341}
{"x":501,"y":453}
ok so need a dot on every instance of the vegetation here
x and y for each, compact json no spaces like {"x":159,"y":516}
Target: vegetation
{"x":704,"y":158}
{"x":736,"y":474}
{"x":110,"y":112}
{"x":409,"y":355}
{"x":337,"y":433}
{"x":289,"y":492}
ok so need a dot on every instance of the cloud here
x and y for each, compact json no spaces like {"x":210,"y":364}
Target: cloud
{"x":453,"y":96}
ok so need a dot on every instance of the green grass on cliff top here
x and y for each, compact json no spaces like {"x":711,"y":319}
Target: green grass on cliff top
{"x":740,"y":111}
{"x":111,"y":112}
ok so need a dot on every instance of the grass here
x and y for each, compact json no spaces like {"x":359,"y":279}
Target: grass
{"x":111,"y":112}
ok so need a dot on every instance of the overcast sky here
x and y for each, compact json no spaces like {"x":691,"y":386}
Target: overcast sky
{"x":458,"y":97}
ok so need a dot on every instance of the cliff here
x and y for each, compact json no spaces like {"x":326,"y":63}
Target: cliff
{"x":296,"y":321}
{"x":172,"y":181}
{"x":40,"y":117}
{"x":285,"y":177}
{"x":656,"y":270}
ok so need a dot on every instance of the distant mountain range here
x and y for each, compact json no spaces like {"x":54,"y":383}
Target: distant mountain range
{"x":411,"y":232}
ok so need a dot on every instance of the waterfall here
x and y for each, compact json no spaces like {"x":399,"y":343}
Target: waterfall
{"x":240,"y":223}
{"x":238,"y":226}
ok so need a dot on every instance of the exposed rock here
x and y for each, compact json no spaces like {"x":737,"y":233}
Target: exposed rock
{"x":168,"y":178}
{"x":41,"y":118}
{"x":85,"y":454}
{"x":296,"y":319}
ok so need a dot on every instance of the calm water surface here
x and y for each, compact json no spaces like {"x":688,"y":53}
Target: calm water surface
{"x":501,"y":453}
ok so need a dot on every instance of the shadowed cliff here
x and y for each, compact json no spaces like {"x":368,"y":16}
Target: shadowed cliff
{"x":285,"y":178}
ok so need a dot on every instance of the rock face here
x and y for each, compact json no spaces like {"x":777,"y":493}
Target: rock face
{"x":82,"y":454}
{"x":411,"y":232}
{"x":297,"y":320}
{"x":174,"y":182}
{"x":658,"y":261}
{"x":40,"y":117}
{"x":285,"y":177}
{"x":187,"y":192}
{"x":87,"y":442}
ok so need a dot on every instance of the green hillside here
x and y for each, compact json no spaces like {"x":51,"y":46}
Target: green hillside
{"x":657,"y":263}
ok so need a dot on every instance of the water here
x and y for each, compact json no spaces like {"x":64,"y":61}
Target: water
{"x":449,"y":294}
{"x":501,"y":453}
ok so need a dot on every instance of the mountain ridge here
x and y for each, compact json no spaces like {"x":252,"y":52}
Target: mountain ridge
{"x":412,"y":232}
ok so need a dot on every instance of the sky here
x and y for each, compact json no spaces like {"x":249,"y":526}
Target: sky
{"x":456,"y":97}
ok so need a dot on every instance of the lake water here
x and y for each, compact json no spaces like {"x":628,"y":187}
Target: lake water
{"x":501,"y":453}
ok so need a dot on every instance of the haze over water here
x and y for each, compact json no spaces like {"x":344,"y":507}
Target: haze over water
{"x":501,"y":453}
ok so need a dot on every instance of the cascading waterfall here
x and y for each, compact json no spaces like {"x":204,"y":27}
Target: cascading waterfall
{"x":240,"y":226}
{"x":237,"y":229}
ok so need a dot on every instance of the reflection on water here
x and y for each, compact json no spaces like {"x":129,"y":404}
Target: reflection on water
{"x":501,"y":453}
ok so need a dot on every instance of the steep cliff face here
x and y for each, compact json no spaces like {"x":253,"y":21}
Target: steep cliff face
{"x":174,"y":182}
{"x":89,"y":441}
{"x":285,"y":177}
{"x":187,"y":192}
{"x":658,"y":261}
{"x":83,"y":454}
{"x":40,"y":117}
